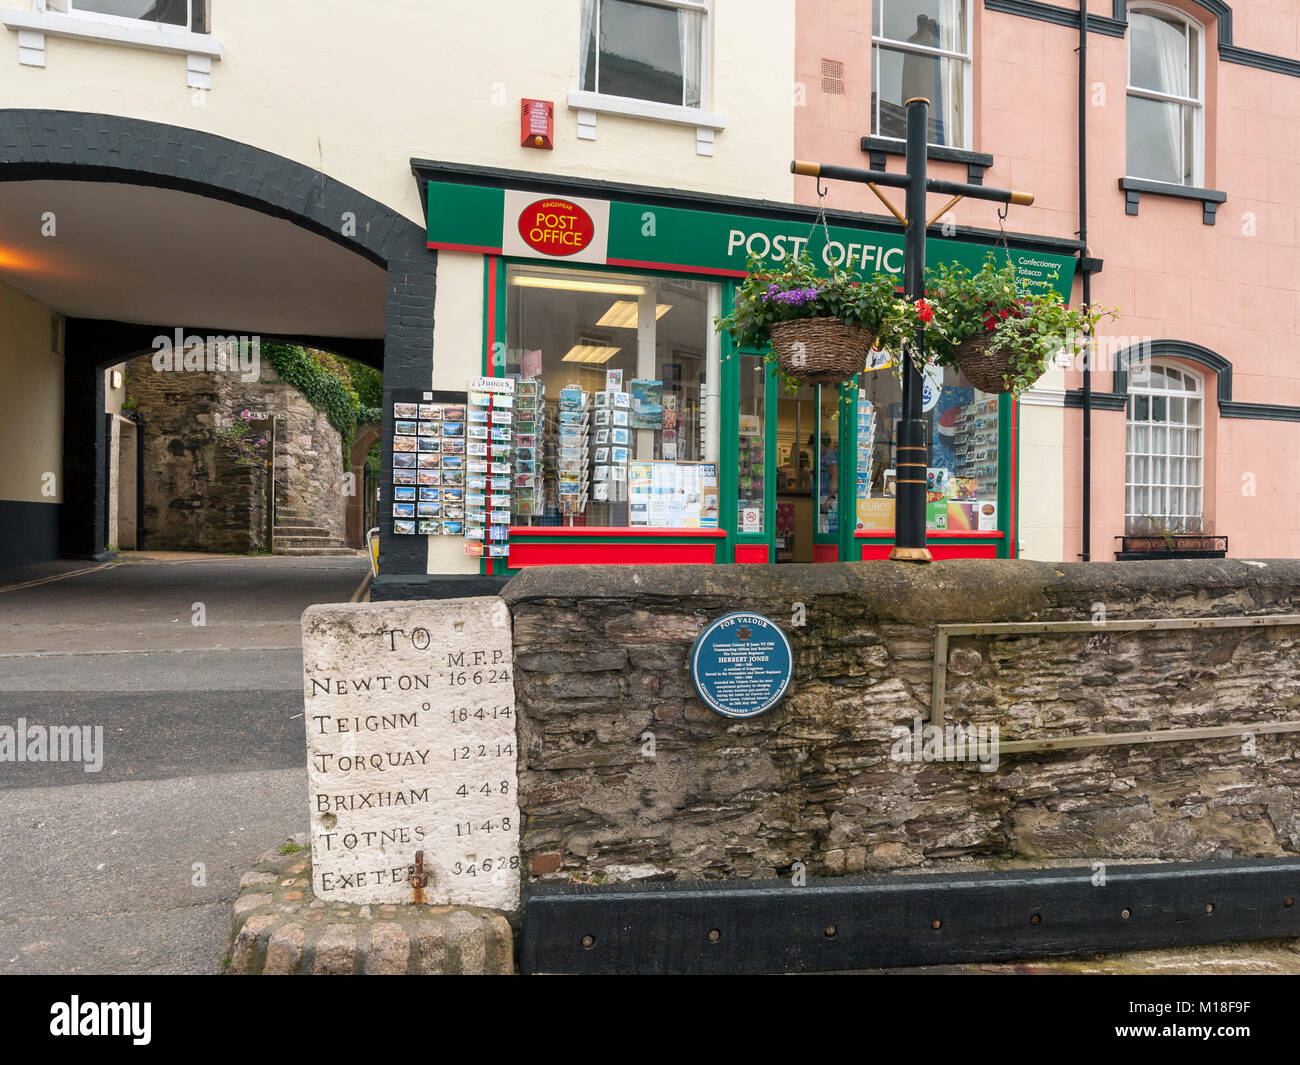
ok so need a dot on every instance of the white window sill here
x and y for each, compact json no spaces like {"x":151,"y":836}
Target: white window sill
{"x":58,"y":24}
{"x":625,"y":105}
{"x":590,"y":104}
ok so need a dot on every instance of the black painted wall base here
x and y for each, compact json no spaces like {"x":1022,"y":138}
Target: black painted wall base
{"x":29,"y":533}
{"x":395,"y":587}
{"x":851,"y":923}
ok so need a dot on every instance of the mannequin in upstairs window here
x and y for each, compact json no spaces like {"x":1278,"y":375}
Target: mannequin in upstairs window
{"x":921,"y":72}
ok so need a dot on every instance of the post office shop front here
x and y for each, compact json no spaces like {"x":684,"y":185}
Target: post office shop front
{"x":652,"y":438}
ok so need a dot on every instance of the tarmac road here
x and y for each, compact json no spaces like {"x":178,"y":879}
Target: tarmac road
{"x":133,"y":868}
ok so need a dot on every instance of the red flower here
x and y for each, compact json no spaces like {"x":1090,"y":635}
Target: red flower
{"x":924,"y":311}
{"x":990,"y":323}
{"x":1004,"y":315}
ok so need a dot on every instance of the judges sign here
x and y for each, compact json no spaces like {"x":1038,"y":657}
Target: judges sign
{"x":741,"y":665}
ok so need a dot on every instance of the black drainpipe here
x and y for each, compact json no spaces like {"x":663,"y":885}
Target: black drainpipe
{"x":1086,"y":554}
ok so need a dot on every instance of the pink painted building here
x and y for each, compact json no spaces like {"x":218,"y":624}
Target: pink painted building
{"x":1191,"y":138}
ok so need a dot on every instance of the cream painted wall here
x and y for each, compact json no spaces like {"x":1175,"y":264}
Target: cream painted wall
{"x":1042,"y":436}
{"x":31,"y":401}
{"x":457,"y":356}
{"x":358,"y":91}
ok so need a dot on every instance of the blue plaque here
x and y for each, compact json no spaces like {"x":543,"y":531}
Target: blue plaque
{"x":741,"y":665}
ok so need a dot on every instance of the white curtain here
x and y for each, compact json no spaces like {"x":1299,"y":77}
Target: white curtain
{"x":949,"y":104}
{"x":587,"y":41}
{"x":690,"y":28}
{"x":1169,"y":45}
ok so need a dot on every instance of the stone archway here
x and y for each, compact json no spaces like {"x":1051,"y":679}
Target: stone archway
{"x":38,"y":145}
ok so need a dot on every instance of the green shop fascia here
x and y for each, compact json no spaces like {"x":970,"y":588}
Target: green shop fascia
{"x":583,"y":281}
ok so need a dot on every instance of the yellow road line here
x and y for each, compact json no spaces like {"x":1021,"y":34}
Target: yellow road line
{"x":56,"y":577}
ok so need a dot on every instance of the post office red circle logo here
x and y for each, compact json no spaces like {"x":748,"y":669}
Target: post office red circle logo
{"x":556,"y":227}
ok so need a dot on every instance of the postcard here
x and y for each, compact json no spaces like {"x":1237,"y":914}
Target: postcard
{"x":403,"y":495}
{"x":404,"y":528}
{"x":404,"y":477}
{"x":403,"y":461}
{"x":429,"y":461}
{"x":406,"y":410}
{"x":404,"y":510}
{"x":404,"y":443}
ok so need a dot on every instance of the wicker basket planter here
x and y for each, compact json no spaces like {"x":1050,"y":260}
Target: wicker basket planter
{"x":986,"y":370}
{"x":820,"y":351}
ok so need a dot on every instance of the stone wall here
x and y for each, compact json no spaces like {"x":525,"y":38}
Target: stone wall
{"x":197,"y":494}
{"x":624,"y":774}
{"x":308,"y":457}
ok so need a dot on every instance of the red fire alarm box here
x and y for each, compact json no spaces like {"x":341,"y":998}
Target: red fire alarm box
{"x":537,"y":124}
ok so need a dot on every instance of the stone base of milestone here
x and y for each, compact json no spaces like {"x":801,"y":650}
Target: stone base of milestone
{"x":280,"y":928}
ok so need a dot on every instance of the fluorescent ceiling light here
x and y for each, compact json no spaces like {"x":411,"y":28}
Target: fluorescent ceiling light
{"x":622,"y":314}
{"x":574,"y":284}
{"x":590,"y":353}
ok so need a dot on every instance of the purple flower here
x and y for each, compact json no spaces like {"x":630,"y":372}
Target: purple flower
{"x":797,"y":297}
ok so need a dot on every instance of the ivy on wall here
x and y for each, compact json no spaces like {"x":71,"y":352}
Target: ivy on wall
{"x":324,"y":381}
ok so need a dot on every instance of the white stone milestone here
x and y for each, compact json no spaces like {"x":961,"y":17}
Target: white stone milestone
{"x":410,"y":714}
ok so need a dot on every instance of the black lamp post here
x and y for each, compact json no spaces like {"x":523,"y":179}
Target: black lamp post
{"x":913,"y":448}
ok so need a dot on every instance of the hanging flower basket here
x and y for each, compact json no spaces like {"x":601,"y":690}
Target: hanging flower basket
{"x":820,"y":351}
{"x":987,"y":369}
{"x":820,"y":327}
{"x":999,"y":332}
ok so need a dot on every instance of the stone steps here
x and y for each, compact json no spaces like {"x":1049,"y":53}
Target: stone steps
{"x":298,"y":534}
{"x":292,"y":540}
{"x":298,"y":552}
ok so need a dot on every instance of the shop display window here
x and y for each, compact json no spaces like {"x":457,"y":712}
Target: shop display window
{"x":962,"y":431}
{"x":621,"y":437}
{"x":751,"y":464}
